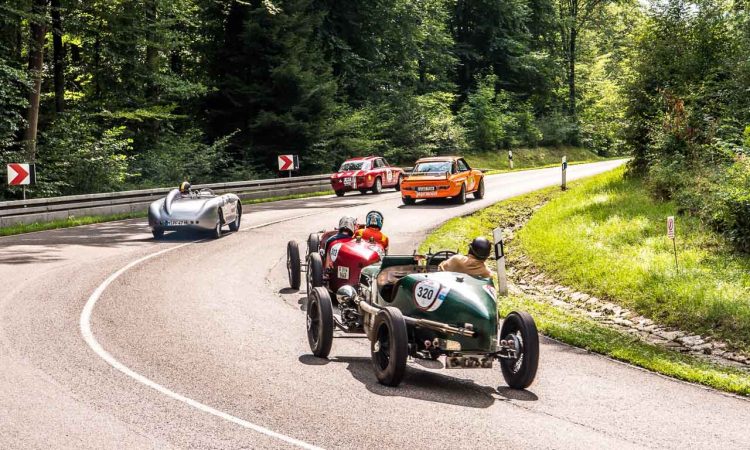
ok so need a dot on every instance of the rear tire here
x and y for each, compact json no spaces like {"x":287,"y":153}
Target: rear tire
{"x":479,"y":193}
{"x":234,"y":226}
{"x":319,"y":322}
{"x":408,"y":200}
{"x":293,"y":264}
{"x":340,"y":193}
{"x":157,"y":232}
{"x":461,"y":197}
{"x":314,"y":272}
{"x":389,"y":346}
{"x":363,"y":191}
{"x":313,"y":243}
{"x":520,"y":373}
{"x":377,"y":187}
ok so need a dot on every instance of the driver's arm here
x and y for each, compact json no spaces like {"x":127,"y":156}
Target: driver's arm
{"x":447,"y":265}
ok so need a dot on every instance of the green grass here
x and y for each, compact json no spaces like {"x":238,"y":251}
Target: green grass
{"x":569,"y":326}
{"x":607,"y":237}
{"x":88,"y":220}
{"x":530,"y":158}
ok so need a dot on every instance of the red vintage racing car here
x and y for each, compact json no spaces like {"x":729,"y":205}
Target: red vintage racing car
{"x":371,"y":173}
{"x":338,"y":265}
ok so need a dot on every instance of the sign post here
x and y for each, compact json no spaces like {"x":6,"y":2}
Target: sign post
{"x":564,"y":172}
{"x":502,"y":278}
{"x":21,"y":174}
{"x":510,"y":159}
{"x":671,"y":235}
{"x":288,"y":163}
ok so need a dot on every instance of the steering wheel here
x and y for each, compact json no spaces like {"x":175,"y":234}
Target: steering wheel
{"x":446,"y":253}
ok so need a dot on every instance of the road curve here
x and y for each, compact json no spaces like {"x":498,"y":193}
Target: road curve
{"x":211,"y":321}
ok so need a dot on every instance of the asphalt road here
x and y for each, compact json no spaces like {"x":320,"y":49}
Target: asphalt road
{"x":203,"y":346}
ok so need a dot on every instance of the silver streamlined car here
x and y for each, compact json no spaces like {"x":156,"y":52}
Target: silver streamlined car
{"x":196,"y":210}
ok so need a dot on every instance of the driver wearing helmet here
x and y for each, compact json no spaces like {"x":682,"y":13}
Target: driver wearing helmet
{"x":371,"y":232}
{"x":346,"y":228}
{"x":185,"y":189}
{"x":472,"y":264}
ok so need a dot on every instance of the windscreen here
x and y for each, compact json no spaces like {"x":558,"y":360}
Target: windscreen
{"x":355,"y":165}
{"x":433,"y":167}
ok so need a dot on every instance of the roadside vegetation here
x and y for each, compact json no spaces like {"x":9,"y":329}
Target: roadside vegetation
{"x":531,"y":158}
{"x":596,"y":250}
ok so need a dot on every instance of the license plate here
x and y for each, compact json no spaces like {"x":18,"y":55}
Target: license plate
{"x":343,"y":273}
{"x":175,"y":223}
{"x":426,"y":194}
{"x":425,"y":188}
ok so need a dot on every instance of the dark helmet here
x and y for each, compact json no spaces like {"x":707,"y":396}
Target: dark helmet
{"x":184,"y":187}
{"x":374,"y":220}
{"x":347,"y":223}
{"x":480,"y":248}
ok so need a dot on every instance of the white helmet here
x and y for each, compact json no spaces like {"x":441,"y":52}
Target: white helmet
{"x":348,"y":223}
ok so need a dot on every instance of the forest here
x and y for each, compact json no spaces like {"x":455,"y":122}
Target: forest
{"x":106,"y":95}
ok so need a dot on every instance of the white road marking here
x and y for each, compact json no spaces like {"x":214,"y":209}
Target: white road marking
{"x":88,"y":336}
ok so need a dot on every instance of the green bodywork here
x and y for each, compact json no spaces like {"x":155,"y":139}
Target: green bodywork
{"x":464,"y":300}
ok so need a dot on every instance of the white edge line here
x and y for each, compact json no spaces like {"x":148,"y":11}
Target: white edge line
{"x":88,"y":336}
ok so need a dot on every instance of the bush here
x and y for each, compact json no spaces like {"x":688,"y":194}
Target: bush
{"x":731,"y":205}
{"x":557,"y":129}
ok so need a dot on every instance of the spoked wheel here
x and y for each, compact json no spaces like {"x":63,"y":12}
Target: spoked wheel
{"x":479,"y":193}
{"x":217,"y":230}
{"x":293,"y":264}
{"x":389,"y":346}
{"x":234,"y":226}
{"x":320,"y":322}
{"x":313,"y":243}
{"x":157,"y":232}
{"x":398,"y":184}
{"x":377,"y":188}
{"x":461,"y":197}
{"x":519,"y":327}
{"x":314,"y":272}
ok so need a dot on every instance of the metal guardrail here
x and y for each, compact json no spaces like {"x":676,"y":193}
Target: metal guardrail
{"x":56,"y":208}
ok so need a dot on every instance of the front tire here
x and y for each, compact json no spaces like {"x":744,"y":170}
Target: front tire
{"x":363,"y":191}
{"x":158,"y":233}
{"x":389,"y":346}
{"x":217,"y":230}
{"x":293,"y":264}
{"x":377,"y":187}
{"x":520,"y":372}
{"x":398,"y":183}
{"x":314,"y":272}
{"x":461,"y":197}
{"x":408,"y":200}
{"x":479,"y":193}
{"x":234,"y":226}
{"x":319,"y":322}
{"x":340,"y":193}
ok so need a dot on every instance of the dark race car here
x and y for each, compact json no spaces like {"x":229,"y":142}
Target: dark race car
{"x":408,"y":309}
{"x":365,"y":174}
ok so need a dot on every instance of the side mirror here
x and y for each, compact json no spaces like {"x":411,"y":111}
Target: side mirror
{"x":346,"y":294}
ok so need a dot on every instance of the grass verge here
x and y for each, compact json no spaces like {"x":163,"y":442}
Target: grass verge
{"x":569,"y":326}
{"x":88,"y":220}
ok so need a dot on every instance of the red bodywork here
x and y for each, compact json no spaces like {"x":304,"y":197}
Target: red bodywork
{"x":346,"y":258}
{"x":373,"y":168}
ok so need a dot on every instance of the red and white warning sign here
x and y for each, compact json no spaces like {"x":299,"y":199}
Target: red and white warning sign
{"x":20,"y":174}
{"x":288,"y":162}
{"x":670,"y":227}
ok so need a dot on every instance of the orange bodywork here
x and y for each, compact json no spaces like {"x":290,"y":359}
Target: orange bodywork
{"x":419,"y":185}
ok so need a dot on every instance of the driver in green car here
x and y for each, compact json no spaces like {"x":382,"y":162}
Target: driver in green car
{"x":472,"y":264}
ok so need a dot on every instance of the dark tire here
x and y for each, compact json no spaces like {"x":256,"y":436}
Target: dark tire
{"x":234,"y":226}
{"x":461,"y":197}
{"x":319,"y":322}
{"x":408,"y":200}
{"x":398,"y":183}
{"x":157,"y":232}
{"x":313,"y":243}
{"x":217,"y":230}
{"x":363,"y":191}
{"x":479,"y":193}
{"x":314,"y":272}
{"x":340,"y":193}
{"x":520,"y":373}
{"x":389,"y":346}
{"x":293,"y":264}
{"x":377,"y":186}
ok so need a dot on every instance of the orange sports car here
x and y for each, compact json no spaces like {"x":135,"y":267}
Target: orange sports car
{"x":441,"y":177}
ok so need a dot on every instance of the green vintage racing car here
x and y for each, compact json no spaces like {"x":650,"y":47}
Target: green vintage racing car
{"x":409,"y":309}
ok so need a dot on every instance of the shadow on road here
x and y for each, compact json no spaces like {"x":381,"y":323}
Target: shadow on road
{"x":425,"y":385}
{"x":435,"y":203}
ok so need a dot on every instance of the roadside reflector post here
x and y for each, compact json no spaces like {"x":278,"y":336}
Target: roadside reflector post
{"x":510,"y":159}
{"x":502,"y":278}
{"x":564,"y":172}
{"x":671,"y":235}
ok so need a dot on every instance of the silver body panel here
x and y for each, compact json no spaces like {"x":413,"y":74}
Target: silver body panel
{"x":197,"y":211}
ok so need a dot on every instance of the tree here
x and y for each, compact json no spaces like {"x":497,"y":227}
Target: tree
{"x":58,"y":55}
{"x":38,"y":32}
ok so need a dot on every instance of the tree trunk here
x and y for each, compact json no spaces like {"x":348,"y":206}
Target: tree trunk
{"x":58,"y":56}
{"x":152,"y":54}
{"x":572,"y":72}
{"x":38,"y":31}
